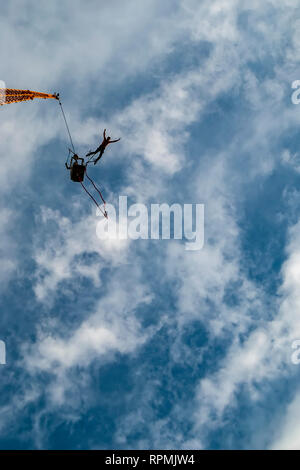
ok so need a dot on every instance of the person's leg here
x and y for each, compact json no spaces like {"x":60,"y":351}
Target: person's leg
{"x":100,"y":155}
{"x":90,"y":153}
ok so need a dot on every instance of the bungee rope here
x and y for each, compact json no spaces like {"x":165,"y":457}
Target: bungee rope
{"x":73,"y":151}
{"x":103,"y":212}
{"x":64,"y":116}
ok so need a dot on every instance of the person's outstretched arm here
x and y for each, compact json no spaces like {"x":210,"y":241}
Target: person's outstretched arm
{"x":112,"y":141}
{"x":104,"y":134}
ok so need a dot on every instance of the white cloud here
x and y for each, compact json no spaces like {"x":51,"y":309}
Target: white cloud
{"x":287,"y":436}
{"x":111,"y":327}
{"x":264,"y":356}
{"x":58,"y":253}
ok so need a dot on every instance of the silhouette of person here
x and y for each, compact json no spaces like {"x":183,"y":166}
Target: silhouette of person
{"x":106,"y":141}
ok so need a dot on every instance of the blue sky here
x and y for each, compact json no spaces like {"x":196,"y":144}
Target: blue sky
{"x":123,"y":344}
